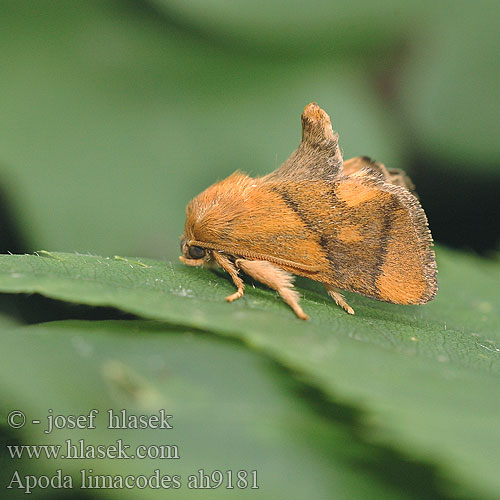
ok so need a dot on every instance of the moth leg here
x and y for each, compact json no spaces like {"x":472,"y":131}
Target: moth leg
{"x":275,"y":278}
{"x":229,"y":267}
{"x":338,"y":298}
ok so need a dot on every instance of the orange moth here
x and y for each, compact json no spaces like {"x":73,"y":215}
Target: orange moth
{"x":353,"y":226}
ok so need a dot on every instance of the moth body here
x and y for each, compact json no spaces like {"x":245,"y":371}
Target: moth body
{"x":353,"y":226}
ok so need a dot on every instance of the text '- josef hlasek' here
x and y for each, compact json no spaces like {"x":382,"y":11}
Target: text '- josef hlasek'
{"x":115,"y":420}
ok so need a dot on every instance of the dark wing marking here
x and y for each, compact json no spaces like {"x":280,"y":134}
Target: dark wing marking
{"x":380,"y":244}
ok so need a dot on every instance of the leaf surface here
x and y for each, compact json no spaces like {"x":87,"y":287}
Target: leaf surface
{"x":427,"y":376}
{"x":231,"y":410}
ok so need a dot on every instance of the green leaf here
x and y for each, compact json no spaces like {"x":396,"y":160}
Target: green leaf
{"x":6,"y":321}
{"x":426,"y":375}
{"x":232,"y":410}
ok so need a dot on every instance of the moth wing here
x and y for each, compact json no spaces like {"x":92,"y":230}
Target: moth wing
{"x":318,"y":155}
{"x":360,"y":232}
{"x":363,"y":165}
{"x":245,"y":217}
{"x":373,"y":237}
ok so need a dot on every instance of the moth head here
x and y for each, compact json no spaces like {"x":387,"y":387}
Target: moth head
{"x":193,"y":255}
{"x":211,"y":216}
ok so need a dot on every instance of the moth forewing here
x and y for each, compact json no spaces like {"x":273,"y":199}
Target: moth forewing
{"x":381,"y":246}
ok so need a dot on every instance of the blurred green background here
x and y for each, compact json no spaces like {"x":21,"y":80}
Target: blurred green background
{"x":114,"y":114}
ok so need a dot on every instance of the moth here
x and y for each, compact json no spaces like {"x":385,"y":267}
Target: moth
{"x":353,"y":225}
